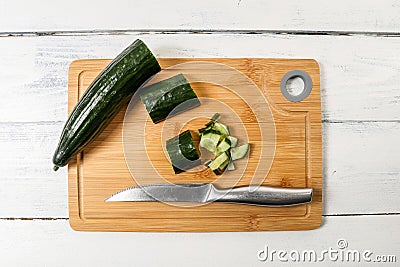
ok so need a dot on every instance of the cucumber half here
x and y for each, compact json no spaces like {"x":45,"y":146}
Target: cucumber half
{"x":168,"y":98}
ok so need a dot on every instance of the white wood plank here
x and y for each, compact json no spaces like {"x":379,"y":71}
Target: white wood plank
{"x":206,"y":15}
{"x":361,"y":169}
{"x":359,"y":74}
{"x":53,"y":243}
{"x":28,"y":185}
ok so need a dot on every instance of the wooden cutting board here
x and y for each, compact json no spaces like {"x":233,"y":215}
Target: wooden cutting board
{"x":101,"y":170}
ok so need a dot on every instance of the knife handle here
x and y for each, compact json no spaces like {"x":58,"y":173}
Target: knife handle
{"x":263,"y":195}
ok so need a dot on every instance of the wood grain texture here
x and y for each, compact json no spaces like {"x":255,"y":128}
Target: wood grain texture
{"x":28,"y":186}
{"x":53,"y":243}
{"x":27,"y":148}
{"x":101,"y":170}
{"x":205,"y":15}
{"x":358,"y":81}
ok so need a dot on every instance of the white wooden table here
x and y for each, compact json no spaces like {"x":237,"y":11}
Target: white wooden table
{"x":357,"y":44}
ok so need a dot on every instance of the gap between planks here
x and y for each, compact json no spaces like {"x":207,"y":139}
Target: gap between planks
{"x":195,"y":31}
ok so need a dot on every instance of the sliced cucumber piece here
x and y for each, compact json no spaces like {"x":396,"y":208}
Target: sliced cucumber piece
{"x":231,"y":166}
{"x":222,"y":168}
{"x":209,"y":125}
{"x":218,"y":171}
{"x":240,"y":151}
{"x":233,"y":140}
{"x":223,"y":129}
{"x":204,"y":130}
{"x":216,"y":117}
{"x":220,"y":160}
{"x":207,"y":163}
{"x":223,"y":165}
{"x":223,"y":146}
{"x":210,"y":141}
{"x":209,"y":130}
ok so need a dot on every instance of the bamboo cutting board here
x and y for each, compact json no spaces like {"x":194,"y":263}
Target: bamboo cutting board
{"x":100,"y":170}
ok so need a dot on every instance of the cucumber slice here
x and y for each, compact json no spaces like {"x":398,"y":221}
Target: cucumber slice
{"x":240,"y":151}
{"x":231,"y":166}
{"x":233,"y":140}
{"x":209,"y":130}
{"x":209,"y":125}
{"x":218,"y":171}
{"x":223,"y":146}
{"x":210,"y":141}
{"x":207,"y":163}
{"x":204,"y":130}
{"x":223,"y":129}
{"x":222,"y":167}
{"x":216,"y":117}
{"x":220,"y":160}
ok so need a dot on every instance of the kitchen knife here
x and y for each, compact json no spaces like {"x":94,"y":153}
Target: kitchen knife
{"x":252,"y":195}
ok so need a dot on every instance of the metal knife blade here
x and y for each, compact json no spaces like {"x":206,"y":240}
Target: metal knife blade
{"x":163,"y":192}
{"x":201,"y":193}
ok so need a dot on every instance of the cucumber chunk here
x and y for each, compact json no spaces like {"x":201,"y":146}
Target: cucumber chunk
{"x":207,"y":163}
{"x":231,"y":166}
{"x":220,"y":160}
{"x":182,"y":152}
{"x":240,"y":151}
{"x":222,"y":168}
{"x":216,"y":117}
{"x":210,"y":141}
{"x":233,"y":141}
{"x":223,"y":146}
{"x":223,"y":129}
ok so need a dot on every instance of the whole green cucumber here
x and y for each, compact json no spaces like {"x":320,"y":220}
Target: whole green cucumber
{"x":106,"y":95}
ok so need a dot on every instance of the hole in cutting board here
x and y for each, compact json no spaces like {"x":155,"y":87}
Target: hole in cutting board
{"x":295,"y":86}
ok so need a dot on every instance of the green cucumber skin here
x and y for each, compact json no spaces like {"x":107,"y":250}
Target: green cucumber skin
{"x":171,"y":95}
{"x":182,"y":152}
{"x":106,"y":95}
